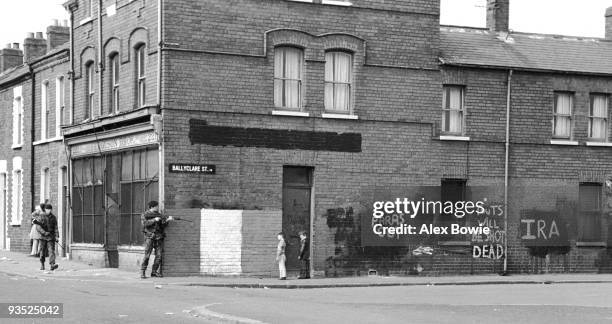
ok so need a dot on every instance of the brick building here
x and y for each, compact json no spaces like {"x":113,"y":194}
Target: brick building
{"x":251,"y":117}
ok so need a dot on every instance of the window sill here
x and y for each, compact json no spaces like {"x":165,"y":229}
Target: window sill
{"x":608,"y":144}
{"x":339,"y":116}
{"x":591,"y":244}
{"x":130,"y":248}
{"x":337,"y":3}
{"x":563,"y":142}
{"x":15,"y":225}
{"x":48,"y":140}
{"x":454,"y":138}
{"x":302,"y":1}
{"x":17,"y":147}
{"x":454,"y":243}
{"x":85,"y":21}
{"x":290,"y":113}
{"x":86,"y":246}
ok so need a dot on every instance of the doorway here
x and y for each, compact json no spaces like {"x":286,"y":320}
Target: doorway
{"x":297,"y":193}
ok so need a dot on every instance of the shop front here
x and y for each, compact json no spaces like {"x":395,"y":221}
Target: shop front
{"x":113,"y":178}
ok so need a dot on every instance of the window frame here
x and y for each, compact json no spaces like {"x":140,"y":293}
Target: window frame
{"x":60,"y":104}
{"x":334,"y":82}
{"x":90,"y":91}
{"x":597,"y":214}
{"x":18,"y":120}
{"x":17,"y":192}
{"x":283,"y":79}
{"x":45,"y":112}
{"x":557,"y":115}
{"x":45,"y":185}
{"x":141,"y":74}
{"x":114,"y":78}
{"x":446,"y":91}
{"x":605,"y":118}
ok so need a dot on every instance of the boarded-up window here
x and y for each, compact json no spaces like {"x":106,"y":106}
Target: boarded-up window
{"x":589,"y":218}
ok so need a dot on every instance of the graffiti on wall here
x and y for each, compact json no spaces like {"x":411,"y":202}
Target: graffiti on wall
{"x":491,"y":245}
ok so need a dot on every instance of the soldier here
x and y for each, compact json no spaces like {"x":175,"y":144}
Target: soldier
{"x":153,"y":225}
{"x":50,"y":234}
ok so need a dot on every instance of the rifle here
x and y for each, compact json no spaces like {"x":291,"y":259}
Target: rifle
{"x":181,"y":219}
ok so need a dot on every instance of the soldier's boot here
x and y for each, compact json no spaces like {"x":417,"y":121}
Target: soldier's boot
{"x":54,"y":266}
{"x":42,"y":265}
{"x":142,"y":274}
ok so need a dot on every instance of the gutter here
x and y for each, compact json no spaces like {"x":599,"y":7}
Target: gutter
{"x":506,"y":166}
{"x":160,"y":46}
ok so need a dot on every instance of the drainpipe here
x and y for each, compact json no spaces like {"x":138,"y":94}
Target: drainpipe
{"x":33,"y":133}
{"x":100,"y":58}
{"x":506,"y":166}
{"x":160,"y":45}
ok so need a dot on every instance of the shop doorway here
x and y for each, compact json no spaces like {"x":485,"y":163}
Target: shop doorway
{"x":297,"y":193}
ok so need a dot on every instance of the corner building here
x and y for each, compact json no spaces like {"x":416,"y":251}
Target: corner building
{"x":252,"y":117}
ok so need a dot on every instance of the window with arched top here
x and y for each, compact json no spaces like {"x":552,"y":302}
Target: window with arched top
{"x":141,"y":78}
{"x":89,"y":90}
{"x":45,"y":112}
{"x":288,"y":66}
{"x":61,"y":117}
{"x":114,"y":83}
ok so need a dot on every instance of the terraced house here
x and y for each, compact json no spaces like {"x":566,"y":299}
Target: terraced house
{"x":251,"y":117}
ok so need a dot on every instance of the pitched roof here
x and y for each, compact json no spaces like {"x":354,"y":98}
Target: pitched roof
{"x":480,"y":47}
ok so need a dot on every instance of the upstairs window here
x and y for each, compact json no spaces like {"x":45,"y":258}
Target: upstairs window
{"x":17,"y":118}
{"x":89,"y":90}
{"x":598,"y":117}
{"x":453,"y":110}
{"x":114,"y":83}
{"x":60,"y":105}
{"x":338,"y":79}
{"x":45,"y":131}
{"x":288,"y":62}
{"x":45,"y":185}
{"x":562,"y":115}
{"x":140,"y":76}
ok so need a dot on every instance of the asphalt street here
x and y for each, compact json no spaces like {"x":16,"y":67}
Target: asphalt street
{"x":107,"y":301}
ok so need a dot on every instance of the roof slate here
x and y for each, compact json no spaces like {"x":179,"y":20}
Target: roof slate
{"x":479,"y":47}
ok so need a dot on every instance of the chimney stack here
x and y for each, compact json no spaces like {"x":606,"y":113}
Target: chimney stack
{"x":498,"y":15}
{"x":609,"y":23}
{"x":57,"y":35}
{"x":10,"y":57}
{"x":34,"y":47}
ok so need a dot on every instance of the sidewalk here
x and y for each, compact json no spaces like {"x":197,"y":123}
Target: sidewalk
{"x":20,"y":265}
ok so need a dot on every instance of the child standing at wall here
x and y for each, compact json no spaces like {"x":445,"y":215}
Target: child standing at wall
{"x":280,"y":256}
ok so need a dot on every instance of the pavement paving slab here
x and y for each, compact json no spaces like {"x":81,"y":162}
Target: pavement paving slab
{"x":19,"y":264}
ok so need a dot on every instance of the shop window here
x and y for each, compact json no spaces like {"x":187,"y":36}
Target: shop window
{"x":139,"y":185}
{"x":88,"y":200}
{"x":589,"y":218}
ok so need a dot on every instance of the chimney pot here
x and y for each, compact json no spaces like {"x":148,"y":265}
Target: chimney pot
{"x":16,"y":45}
{"x":30,"y":35}
{"x":65,"y":23}
{"x":8,"y":45}
{"x":498,"y":15}
{"x":609,"y":23}
{"x":39,"y":35}
{"x":55,"y":22}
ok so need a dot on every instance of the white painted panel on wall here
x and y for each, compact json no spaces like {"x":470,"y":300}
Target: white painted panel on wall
{"x":221,"y":242}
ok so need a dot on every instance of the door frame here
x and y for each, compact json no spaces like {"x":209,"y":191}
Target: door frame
{"x":312,"y":206}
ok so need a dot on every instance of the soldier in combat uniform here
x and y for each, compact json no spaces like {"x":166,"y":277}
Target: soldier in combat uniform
{"x":153,"y":225}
